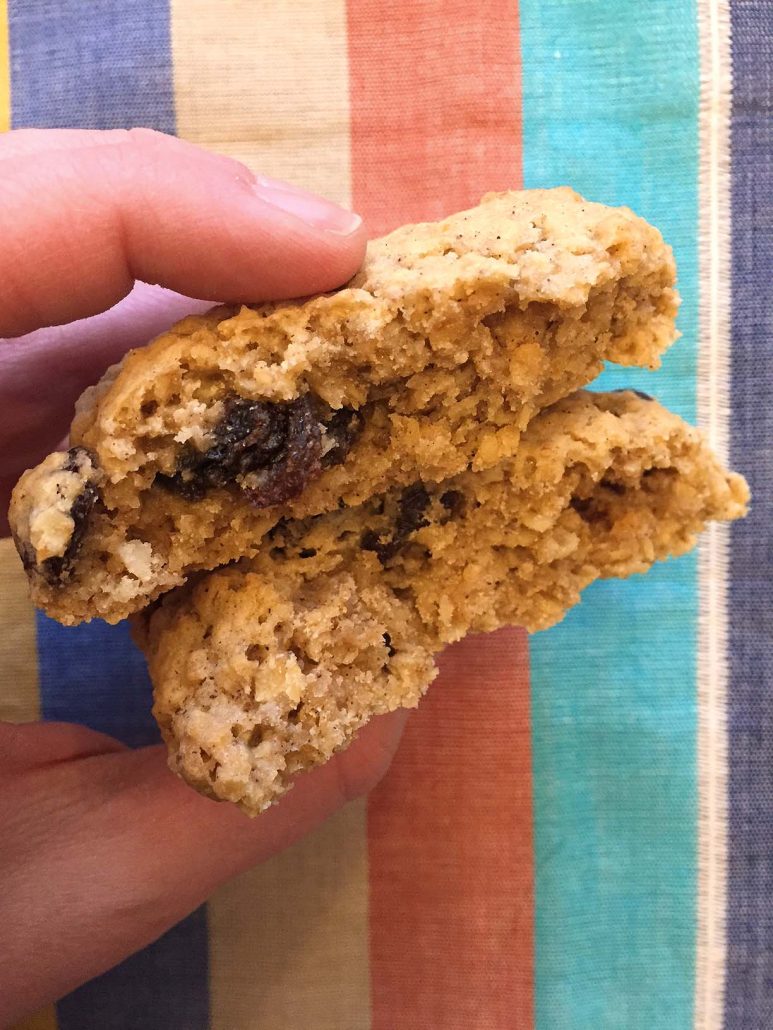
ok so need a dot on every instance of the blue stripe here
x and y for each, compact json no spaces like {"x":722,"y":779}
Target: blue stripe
{"x":163,"y":987}
{"x":749,"y":990}
{"x":95,"y":676}
{"x":100,"y":65}
{"x":610,"y":104}
{"x":93,"y":65}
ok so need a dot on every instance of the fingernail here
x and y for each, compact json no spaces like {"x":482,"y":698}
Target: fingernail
{"x":310,"y":208}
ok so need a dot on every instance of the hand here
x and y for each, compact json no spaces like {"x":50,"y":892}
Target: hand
{"x":102,"y":847}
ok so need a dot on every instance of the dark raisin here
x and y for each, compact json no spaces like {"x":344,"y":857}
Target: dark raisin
{"x":342,"y":429}
{"x":307,"y":552}
{"x":454,"y":502}
{"x":388,"y":642}
{"x":58,"y":569}
{"x":413,"y":503}
{"x":277,"y":528}
{"x":371,"y":541}
{"x":250,"y":435}
{"x":273,"y":448}
{"x":296,"y":464}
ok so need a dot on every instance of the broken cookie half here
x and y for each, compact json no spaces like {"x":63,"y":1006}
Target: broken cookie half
{"x":268,"y":667}
{"x":432,"y":360}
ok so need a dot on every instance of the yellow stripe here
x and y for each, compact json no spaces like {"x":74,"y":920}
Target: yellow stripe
{"x":5,"y":70}
{"x":288,"y":940}
{"x":267,"y":83}
{"x":43,"y":1020}
{"x":19,"y":694}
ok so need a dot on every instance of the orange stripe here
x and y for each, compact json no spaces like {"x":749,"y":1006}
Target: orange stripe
{"x":435,"y":122}
{"x":434,"y":106}
{"x":450,"y":835}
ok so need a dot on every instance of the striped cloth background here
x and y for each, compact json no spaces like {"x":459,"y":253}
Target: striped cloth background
{"x":577,"y":831}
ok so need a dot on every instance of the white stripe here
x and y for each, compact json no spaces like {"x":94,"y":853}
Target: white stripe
{"x":713,"y":415}
{"x":267,"y":83}
{"x":288,"y":940}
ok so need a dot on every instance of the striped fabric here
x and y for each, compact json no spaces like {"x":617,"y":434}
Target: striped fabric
{"x":577,"y":831}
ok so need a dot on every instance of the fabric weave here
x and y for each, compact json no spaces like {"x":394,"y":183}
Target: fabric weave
{"x":577,"y":831}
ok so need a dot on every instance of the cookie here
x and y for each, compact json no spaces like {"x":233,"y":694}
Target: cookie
{"x":269,"y":666}
{"x":433,"y":359}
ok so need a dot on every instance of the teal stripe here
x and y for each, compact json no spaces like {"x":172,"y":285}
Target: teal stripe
{"x":610,"y":104}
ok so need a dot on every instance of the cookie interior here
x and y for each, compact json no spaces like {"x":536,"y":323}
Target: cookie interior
{"x":269,"y":666}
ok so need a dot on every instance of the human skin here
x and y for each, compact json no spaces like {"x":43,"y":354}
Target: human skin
{"x":106,"y":238}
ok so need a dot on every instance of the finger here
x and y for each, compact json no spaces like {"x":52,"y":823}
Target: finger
{"x":126,"y":850}
{"x":34,"y":745}
{"x":26,"y":142}
{"x":80,"y":225}
{"x":43,"y":373}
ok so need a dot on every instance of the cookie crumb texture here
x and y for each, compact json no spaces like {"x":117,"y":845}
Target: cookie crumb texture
{"x":54,"y":504}
{"x":431,"y":360}
{"x":271,"y":665}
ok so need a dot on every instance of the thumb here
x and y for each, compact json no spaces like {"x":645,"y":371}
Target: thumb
{"x":104,"y":849}
{"x":83,"y":220}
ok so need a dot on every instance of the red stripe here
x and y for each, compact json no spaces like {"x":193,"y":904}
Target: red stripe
{"x":435,"y":106}
{"x":450,"y":847}
{"x":435,"y":111}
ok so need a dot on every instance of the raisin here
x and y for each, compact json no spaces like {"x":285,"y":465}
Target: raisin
{"x":274,"y":449}
{"x":58,"y":569}
{"x":296,"y":464}
{"x":371,"y":541}
{"x":413,"y":503}
{"x":307,"y":552}
{"x":454,"y":502}
{"x":342,"y":429}
{"x":388,"y":644}
{"x":249,"y":436}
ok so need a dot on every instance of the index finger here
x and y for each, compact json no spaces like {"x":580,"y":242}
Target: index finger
{"x":80,"y":224}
